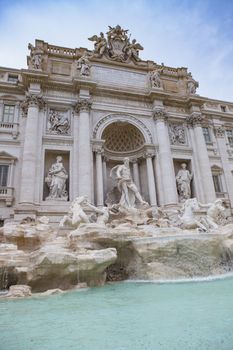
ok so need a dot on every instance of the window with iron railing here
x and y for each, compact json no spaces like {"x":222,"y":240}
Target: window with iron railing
{"x":3,"y":175}
{"x":8,"y":114}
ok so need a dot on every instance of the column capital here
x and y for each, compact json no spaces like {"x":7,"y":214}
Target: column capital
{"x":159,"y":113}
{"x":195,"y":119}
{"x":83,"y":104}
{"x":97,"y":146}
{"x":134,"y":160}
{"x":219,"y":131}
{"x":32,"y":100}
{"x":149,"y":154}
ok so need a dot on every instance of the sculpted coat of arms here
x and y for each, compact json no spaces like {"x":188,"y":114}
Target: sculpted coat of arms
{"x":117,"y":46}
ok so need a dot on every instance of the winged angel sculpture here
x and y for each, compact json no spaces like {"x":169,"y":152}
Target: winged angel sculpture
{"x":117,"y":46}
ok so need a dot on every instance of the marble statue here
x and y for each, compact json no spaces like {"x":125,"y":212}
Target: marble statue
{"x":192,"y":84}
{"x":58,"y":123}
{"x":215,"y":215}
{"x":188,"y":219}
{"x":132,"y":50}
{"x":36,"y":57}
{"x":155,"y":78}
{"x":56,"y":181}
{"x":117,"y":46}
{"x":183,"y":179}
{"x":102,"y":214}
{"x":100,"y":44}
{"x":83,"y":64}
{"x":126,"y":186}
{"x":76,"y":214}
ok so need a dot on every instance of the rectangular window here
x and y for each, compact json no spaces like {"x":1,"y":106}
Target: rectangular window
{"x":13,"y":78}
{"x":223,"y":108}
{"x":3,"y":175}
{"x":206,"y":133}
{"x":8,"y":114}
{"x":217,"y":183}
{"x":230,"y":137}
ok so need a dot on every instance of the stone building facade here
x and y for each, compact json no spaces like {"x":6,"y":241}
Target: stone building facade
{"x":94,"y":108}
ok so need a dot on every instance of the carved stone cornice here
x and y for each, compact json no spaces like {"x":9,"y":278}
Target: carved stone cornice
{"x":219,"y":131}
{"x":160,"y":113}
{"x":32,"y":100}
{"x":83,"y":104}
{"x":195,"y":119}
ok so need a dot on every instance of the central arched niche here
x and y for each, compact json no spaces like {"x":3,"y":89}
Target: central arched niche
{"x":122,"y":137}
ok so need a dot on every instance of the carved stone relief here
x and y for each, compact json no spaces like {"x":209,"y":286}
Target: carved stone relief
{"x":177,"y":134}
{"x":58,"y":122}
{"x":83,"y":65}
{"x":155,"y":78}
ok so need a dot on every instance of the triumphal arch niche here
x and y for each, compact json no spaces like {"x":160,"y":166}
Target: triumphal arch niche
{"x":119,"y":136}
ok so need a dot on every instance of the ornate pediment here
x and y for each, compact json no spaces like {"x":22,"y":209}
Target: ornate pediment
{"x":117,"y":46}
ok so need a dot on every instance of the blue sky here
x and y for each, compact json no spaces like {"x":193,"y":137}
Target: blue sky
{"x":197,"y":34}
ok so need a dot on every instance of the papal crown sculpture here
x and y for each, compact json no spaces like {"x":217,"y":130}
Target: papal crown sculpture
{"x":117,"y":46}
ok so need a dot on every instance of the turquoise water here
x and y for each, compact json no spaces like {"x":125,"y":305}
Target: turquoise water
{"x":124,"y":316}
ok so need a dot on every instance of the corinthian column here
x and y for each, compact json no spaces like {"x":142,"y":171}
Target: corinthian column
{"x":136,"y":174}
{"x":150,"y":178}
{"x":84,"y":148}
{"x":30,"y":108}
{"x":98,"y":149}
{"x":165,"y":157}
{"x":221,"y":141}
{"x":195,"y":120}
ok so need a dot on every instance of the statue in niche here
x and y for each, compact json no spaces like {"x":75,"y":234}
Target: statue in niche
{"x":177,"y":134}
{"x":183,"y":179}
{"x":36,"y":57}
{"x":58,"y":123}
{"x":56,"y":181}
{"x":155,"y":78}
{"x":192,"y":84}
{"x":125,"y":185}
{"x":83,"y":64}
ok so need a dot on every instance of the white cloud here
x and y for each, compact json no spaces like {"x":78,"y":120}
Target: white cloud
{"x":171,"y":32}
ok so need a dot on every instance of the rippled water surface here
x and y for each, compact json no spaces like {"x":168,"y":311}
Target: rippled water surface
{"x":124,"y":316}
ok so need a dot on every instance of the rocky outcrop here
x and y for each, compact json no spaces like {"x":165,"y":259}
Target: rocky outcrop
{"x":152,"y":253}
{"x":45,"y":259}
{"x":19,"y":291}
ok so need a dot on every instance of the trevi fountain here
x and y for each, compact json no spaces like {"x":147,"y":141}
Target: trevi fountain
{"x":169,"y":257}
{"x":116,"y":197}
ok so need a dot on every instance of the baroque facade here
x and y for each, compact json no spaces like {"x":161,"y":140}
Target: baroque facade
{"x":74,"y":114}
